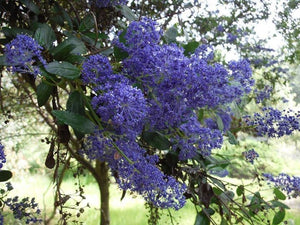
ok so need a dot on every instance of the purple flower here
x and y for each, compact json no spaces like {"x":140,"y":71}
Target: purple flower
{"x":108,"y":3}
{"x":289,"y":184}
{"x":23,"y":53}
{"x":263,"y":94}
{"x":2,"y":156}
{"x":123,"y":107}
{"x":274,"y":123}
{"x":231,"y":37}
{"x":250,"y":155}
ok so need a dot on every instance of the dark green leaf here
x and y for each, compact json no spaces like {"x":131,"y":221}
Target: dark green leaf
{"x":240,"y":190}
{"x":224,"y":222}
{"x":43,"y":92}
{"x":120,"y":54}
{"x":87,"y":23}
{"x":202,"y":219}
{"x":190,"y":47}
{"x":217,"y":190}
{"x":231,"y":138}
{"x":128,"y":13}
{"x":76,"y":121}
{"x":220,"y":122}
{"x":3,"y":60}
{"x":62,"y":51}
{"x":63,"y":69}
{"x":171,"y":34}
{"x":31,"y":6}
{"x":75,"y":104}
{"x":156,"y":140}
{"x":44,"y":35}
{"x":80,"y":47}
{"x":279,"y":194}
{"x":5,"y":175}
{"x":279,"y":217}
{"x":276,"y":203}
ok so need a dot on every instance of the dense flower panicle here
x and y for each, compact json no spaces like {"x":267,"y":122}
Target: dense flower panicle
{"x":289,"y":184}
{"x":97,"y":71}
{"x":22,"y":53}
{"x":197,"y":140}
{"x":250,"y":155}
{"x":140,"y":34}
{"x":140,"y":175}
{"x":220,"y":28}
{"x":123,"y":107}
{"x":2,"y":156}
{"x":108,"y":3}
{"x":274,"y":123}
{"x":24,"y":209}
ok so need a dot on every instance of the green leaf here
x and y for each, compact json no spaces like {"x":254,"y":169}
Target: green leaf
{"x":156,"y":140}
{"x":171,"y":34}
{"x":231,"y":138}
{"x":5,"y":175}
{"x":75,"y":120}
{"x":80,"y":46}
{"x":43,"y":92}
{"x":63,"y":69}
{"x":127,"y":12}
{"x":279,"y":217}
{"x":217,"y":190}
{"x":62,"y":51}
{"x":240,"y":190}
{"x":31,"y":6}
{"x":279,"y":194}
{"x":223,"y":222}
{"x":3,"y":60}
{"x":87,"y":23}
{"x":44,"y":35}
{"x":220,"y":122}
{"x":202,"y":219}
{"x":276,"y":203}
{"x":75,"y":104}
{"x":190,"y":47}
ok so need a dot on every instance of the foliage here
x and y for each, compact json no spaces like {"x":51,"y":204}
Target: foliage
{"x":148,"y":104}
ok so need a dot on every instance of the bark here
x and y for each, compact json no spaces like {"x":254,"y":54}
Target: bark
{"x":103,"y":182}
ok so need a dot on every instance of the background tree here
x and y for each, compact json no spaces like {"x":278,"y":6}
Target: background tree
{"x":149,"y":99}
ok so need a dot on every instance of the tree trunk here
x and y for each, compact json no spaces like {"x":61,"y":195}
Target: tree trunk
{"x":103,"y":182}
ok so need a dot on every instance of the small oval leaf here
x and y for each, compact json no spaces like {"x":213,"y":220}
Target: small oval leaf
{"x":76,"y":121}
{"x":63,"y":69}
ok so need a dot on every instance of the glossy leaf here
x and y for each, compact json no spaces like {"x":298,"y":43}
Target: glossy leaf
{"x":31,"y":6}
{"x":202,"y":219}
{"x":231,"y":138}
{"x":279,"y":194}
{"x":87,"y":23}
{"x":75,"y":120}
{"x":128,"y":13}
{"x":5,"y":175}
{"x":63,"y":69}
{"x":43,"y":92}
{"x":62,"y":51}
{"x":171,"y":34}
{"x":240,"y":190}
{"x":156,"y":140}
{"x":278,"y":217}
{"x":44,"y":35}
{"x":190,"y":47}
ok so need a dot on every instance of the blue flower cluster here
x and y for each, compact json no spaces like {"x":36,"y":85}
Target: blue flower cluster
{"x":138,"y":172}
{"x":159,"y":88}
{"x":251,"y":155}
{"x":197,"y":140}
{"x":23,"y":53}
{"x":274,"y":123}
{"x":24,"y":209}
{"x":225,"y":119}
{"x":263,"y":94}
{"x":290,"y":184}
{"x":2,"y":156}
{"x":108,"y":3}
